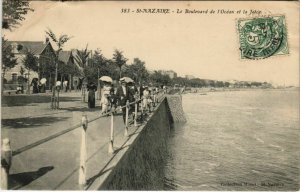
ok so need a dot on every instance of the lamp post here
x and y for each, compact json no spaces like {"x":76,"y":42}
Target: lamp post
{"x":55,"y":97}
{"x":56,"y":65}
{"x":28,"y":84}
{"x":60,"y":43}
{"x":99,"y":88}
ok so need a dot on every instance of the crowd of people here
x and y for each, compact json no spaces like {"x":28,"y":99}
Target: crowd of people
{"x":115,"y":97}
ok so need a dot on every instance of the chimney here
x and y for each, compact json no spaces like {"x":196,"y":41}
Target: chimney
{"x":47,"y":40}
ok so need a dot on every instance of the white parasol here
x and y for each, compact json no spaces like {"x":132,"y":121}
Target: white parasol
{"x":58,"y":83}
{"x":106,"y":79}
{"x":43,"y":81}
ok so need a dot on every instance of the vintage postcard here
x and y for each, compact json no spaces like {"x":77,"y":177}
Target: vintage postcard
{"x":150,"y":95}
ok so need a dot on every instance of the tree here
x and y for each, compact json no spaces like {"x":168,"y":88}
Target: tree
{"x":211,"y":83}
{"x":119,"y":60}
{"x":256,"y":84}
{"x":158,"y":78}
{"x":30,"y":62}
{"x":98,"y":59}
{"x":137,"y":71}
{"x":21,"y":78}
{"x":114,"y":70}
{"x":102,"y":66}
{"x":8,"y":57}
{"x":219,"y":84}
{"x":13,"y":12}
{"x":226,"y":84}
{"x":180,"y":81}
{"x":60,"y":42}
{"x":82,"y":59}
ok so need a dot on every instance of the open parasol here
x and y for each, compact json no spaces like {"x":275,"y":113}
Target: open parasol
{"x":106,"y":79}
{"x":58,"y":83}
{"x":43,"y":80}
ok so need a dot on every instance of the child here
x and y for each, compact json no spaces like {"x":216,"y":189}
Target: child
{"x":104,"y":103}
{"x":105,"y":98}
{"x":113,"y":100}
{"x":146,"y":97}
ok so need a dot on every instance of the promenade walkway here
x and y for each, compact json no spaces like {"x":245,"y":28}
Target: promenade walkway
{"x":54,"y":165}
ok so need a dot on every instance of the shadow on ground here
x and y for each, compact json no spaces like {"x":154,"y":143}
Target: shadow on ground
{"x":86,"y":109}
{"x":23,"y":100}
{"x":16,"y":181}
{"x":81,"y":109}
{"x":32,"y":122}
{"x":92,"y":179}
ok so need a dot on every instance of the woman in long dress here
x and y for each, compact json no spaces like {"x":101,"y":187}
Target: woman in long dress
{"x":146,"y":96}
{"x":91,"y":96}
{"x":105,"y":97}
{"x":113,"y":100}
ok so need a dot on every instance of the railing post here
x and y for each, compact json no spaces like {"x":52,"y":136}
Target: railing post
{"x":135,"y":113}
{"x":126,"y":118}
{"x":6,"y":159}
{"x":83,"y":153}
{"x":111,"y":142}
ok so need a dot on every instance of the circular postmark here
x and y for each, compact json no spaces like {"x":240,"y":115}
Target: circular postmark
{"x":261,"y":37}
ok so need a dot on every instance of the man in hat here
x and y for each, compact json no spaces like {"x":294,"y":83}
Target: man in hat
{"x":122,"y":95}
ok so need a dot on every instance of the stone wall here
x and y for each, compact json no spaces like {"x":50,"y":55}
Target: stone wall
{"x":175,"y":108}
{"x":142,"y":166}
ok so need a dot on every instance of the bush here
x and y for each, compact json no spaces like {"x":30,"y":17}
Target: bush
{"x":4,"y":80}
{"x":22,"y":79}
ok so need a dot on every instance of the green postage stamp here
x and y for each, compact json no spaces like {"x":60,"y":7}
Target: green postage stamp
{"x":262,"y":37}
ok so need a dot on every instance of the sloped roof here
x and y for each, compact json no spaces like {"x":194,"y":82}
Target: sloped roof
{"x":64,"y":56}
{"x":36,"y":47}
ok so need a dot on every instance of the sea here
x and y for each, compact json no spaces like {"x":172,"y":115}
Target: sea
{"x":236,"y":140}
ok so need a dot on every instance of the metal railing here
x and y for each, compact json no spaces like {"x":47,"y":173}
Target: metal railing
{"x":8,"y":153}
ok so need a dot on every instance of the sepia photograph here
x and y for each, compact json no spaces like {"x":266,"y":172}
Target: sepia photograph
{"x":150,"y":95}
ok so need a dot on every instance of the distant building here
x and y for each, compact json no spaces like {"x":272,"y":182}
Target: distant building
{"x":189,"y":77}
{"x":46,"y":60}
{"x":172,"y":74}
{"x":67,"y":57}
{"x":42,"y":50}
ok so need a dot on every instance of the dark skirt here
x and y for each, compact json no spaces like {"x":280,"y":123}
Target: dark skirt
{"x":91,"y":99}
{"x":35,"y":89}
{"x":42,"y":89}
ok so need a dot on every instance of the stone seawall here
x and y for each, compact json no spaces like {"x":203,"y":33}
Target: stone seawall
{"x":175,"y":108}
{"x":142,"y":165}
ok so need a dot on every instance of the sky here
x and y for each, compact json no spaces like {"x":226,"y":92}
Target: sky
{"x":203,"y":45}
